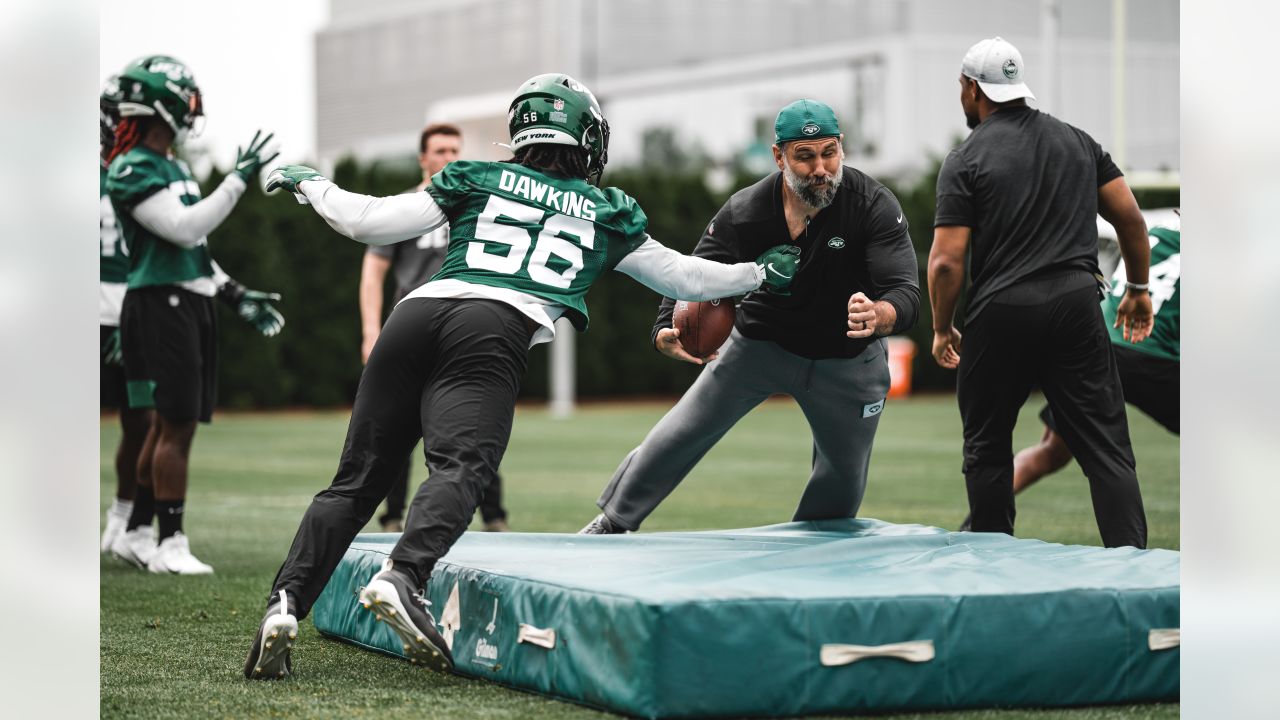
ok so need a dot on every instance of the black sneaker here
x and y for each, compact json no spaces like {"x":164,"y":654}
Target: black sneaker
{"x":394,"y":600}
{"x":269,"y":655}
{"x":601,"y":526}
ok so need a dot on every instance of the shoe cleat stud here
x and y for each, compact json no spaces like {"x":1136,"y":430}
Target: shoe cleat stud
{"x":275,"y":634}
{"x":268,"y":645}
{"x":280,"y":674}
{"x":257,"y":671}
{"x":293,"y":636}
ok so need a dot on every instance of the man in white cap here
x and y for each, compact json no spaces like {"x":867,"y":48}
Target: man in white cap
{"x":1019,"y":196}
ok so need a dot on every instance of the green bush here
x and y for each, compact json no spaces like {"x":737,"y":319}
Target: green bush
{"x":273,"y":243}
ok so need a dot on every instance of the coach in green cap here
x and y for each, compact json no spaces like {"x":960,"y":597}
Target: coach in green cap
{"x":822,"y":343}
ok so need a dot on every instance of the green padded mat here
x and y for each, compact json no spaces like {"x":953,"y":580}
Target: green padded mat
{"x":793,"y":619}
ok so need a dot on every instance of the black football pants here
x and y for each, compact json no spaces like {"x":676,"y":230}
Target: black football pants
{"x":490,"y":500}
{"x":445,"y":371}
{"x":1061,"y":343}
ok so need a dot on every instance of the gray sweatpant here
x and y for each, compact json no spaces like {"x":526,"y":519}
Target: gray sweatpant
{"x":841,"y":399}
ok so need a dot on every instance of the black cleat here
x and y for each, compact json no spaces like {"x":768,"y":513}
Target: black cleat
{"x":394,"y":600}
{"x":269,"y":656}
{"x":601,"y":526}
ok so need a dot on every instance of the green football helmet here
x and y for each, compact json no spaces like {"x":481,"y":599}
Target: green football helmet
{"x":158,"y":85}
{"x":556,"y":109}
{"x":108,"y":114}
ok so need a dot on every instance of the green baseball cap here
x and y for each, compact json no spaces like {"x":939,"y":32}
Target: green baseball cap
{"x":805,"y":120}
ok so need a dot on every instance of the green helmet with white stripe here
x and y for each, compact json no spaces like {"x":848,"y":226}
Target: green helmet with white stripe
{"x":556,"y":109}
{"x":158,"y":85}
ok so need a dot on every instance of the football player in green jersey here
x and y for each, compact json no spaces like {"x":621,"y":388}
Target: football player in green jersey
{"x":113,"y":272}
{"x":1150,"y":369}
{"x":412,"y":263}
{"x":168,"y":325}
{"x":528,"y":237}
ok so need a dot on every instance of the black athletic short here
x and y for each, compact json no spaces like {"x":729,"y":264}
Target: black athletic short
{"x":170,"y":345}
{"x":1150,"y":384}
{"x":111,"y":389}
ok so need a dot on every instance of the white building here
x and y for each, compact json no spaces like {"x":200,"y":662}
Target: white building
{"x":717,"y":71}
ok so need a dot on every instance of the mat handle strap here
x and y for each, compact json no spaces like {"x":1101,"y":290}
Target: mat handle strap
{"x":917,"y":651}
{"x":544,"y":638}
{"x":1164,"y":638}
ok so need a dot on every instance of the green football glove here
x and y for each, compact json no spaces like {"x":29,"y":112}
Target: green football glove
{"x":111,"y":351}
{"x":250,"y":160}
{"x":256,"y":309}
{"x":289,"y":176}
{"x":779,"y":263}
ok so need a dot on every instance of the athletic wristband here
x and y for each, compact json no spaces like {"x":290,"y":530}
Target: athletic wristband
{"x":1137,"y":286}
{"x":231,"y":292}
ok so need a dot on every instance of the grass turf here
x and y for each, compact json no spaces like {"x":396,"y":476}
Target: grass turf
{"x":174,"y":647}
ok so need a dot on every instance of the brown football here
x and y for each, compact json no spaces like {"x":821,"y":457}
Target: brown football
{"x":703,"y":326}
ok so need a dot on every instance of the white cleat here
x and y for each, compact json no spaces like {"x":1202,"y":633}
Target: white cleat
{"x":136,"y":547}
{"x":269,"y":657}
{"x":173,"y":556}
{"x":115,"y":528}
{"x":403,"y":608}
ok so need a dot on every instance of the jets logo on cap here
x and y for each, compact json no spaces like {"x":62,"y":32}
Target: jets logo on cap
{"x":1010,"y":69}
{"x":810,"y":129}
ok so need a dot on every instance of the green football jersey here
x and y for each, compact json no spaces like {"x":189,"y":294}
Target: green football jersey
{"x":134,"y":177}
{"x":514,"y":227}
{"x":114,"y":264}
{"x":1166,"y":266}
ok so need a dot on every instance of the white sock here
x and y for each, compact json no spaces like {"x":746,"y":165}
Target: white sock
{"x":121,"y":508}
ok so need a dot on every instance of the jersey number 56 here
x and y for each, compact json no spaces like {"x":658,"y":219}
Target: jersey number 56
{"x":558,"y":235}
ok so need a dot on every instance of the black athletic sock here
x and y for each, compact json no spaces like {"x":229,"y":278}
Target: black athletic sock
{"x":144,"y":509}
{"x":170,"y":514}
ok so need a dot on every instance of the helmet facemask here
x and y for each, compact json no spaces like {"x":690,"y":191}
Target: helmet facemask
{"x":108,"y":115}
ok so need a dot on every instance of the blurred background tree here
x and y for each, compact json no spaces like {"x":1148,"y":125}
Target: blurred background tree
{"x":272,"y":243}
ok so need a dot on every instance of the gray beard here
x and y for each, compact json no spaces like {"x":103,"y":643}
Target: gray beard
{"x":810,"y":194}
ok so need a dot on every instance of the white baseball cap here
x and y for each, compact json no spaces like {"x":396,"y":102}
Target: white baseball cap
{"x":997,"y":66}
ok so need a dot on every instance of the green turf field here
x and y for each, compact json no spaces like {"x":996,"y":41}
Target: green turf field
{"x":174,"y":647}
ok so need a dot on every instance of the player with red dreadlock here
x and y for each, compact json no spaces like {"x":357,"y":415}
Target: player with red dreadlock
{"x":167,"y":322}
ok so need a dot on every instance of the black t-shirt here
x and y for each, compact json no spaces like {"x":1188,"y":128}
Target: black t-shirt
{"x":858,"y":243}
{"x":414,"y":261}
{"x":1027,"y":185}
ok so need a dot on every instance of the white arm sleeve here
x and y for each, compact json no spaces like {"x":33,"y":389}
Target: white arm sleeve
{"x":371,"y":220}
{"x":220,"y":276}
{"x":186,"y":225}
{"x":684,"y":277}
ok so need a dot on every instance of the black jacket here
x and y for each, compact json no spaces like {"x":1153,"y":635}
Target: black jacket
{"x":858,"y":243}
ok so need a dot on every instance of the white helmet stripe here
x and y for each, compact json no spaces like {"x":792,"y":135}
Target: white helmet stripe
{"x":548,"y":135}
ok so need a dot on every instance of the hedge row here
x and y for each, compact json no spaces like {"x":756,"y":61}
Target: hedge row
{"x":272,"y":243}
